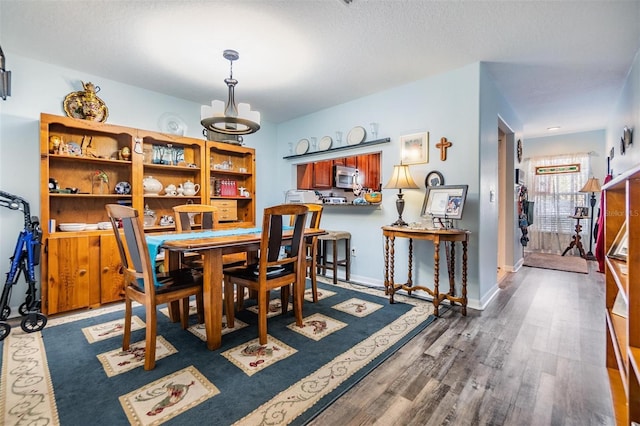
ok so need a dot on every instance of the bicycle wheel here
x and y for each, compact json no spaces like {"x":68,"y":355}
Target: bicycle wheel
{"x":33,"y":322}
{"x":5,"y":329}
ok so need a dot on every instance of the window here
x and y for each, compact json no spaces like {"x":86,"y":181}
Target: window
{"x":555,"y":196}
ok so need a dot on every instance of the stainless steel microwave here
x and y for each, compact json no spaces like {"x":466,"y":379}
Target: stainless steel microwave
{"x":343,"y":176}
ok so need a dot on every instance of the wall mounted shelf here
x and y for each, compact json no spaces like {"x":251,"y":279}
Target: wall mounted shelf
{"x":340,"y":148}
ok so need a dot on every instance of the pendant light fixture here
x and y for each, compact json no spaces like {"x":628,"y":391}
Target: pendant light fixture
{"x":5,"y":78}
{"x":230,"y":119}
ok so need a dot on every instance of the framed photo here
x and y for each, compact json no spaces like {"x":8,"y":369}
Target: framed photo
{"x":620,"y":245}
{"x":415,"y":148}
{"x":434,"y":178}
{"x":581,"y":211}
{"x":445,"y":201}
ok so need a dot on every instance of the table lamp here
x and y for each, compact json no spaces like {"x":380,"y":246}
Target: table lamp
{"x":400,"y":179}
{"x":592,"y":186}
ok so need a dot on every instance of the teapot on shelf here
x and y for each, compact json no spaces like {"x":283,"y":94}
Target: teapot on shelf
{"x":190,"y":188}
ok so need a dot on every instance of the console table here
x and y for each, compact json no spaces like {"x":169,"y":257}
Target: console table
{"x":436,"y":236}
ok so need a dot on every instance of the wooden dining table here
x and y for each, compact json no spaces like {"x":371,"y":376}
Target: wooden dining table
{"x":212,"y":248}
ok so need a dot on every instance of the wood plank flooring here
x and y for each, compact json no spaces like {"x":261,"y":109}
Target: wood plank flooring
{"x":535,"y":356}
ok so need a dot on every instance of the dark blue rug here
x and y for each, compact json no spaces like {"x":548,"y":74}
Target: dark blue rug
{"x":84,"y":394}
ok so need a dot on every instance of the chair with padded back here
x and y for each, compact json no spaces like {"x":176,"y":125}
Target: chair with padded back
{"x":311,"y":246}
{"x":272,"y":270}
{"x":140,"y":284}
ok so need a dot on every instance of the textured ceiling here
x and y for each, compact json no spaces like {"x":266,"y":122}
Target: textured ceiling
{"x":558,"y":63}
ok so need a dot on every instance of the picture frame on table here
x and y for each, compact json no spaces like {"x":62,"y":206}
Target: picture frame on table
{"x":581,"y":212}
{"x":415,"y":148}
{"x":445,"y":201}
{"x":620,"y":247}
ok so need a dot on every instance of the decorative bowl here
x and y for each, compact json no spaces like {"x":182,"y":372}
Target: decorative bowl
{"x":373,"y":197}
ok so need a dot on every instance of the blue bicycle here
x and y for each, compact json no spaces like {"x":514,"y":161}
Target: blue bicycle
{"x":26,"y":257}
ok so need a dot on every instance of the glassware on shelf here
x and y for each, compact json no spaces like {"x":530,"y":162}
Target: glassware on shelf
{"x":374,"y":130}
{"x":339,"y":138}
{"x":99,"y":182}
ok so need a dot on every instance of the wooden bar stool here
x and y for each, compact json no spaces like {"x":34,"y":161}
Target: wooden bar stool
{"x":325,"y":263}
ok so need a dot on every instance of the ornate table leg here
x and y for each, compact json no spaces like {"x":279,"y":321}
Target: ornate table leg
{"x":464,"y":278}
{"x":386,"y":265}
{"x":452,"y":269}
{"x":392,"y":288}
{"x":409,"y":279}
{"x":436,"y":276}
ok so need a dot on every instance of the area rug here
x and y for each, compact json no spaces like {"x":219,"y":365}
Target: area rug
{"x":74,"y":371}
{"x":557,"y":262}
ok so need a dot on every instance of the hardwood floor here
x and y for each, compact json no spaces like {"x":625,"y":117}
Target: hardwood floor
{"x":535,"y":356}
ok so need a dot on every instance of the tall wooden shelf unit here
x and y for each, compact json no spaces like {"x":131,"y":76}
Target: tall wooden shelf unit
{"x":82,"y":269}
{"x":622,"y":295}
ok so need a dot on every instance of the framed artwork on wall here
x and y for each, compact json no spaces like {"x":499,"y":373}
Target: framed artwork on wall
{"x":415,"y":148}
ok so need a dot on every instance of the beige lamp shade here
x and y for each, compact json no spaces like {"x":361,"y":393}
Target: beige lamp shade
{"x":592,"y":185}
{"x":401,"y":178}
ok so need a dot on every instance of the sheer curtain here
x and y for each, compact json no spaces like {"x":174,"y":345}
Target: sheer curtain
{"x":555,"y":198}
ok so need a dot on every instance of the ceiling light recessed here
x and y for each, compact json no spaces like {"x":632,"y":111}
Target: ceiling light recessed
{"x":553,"y":128}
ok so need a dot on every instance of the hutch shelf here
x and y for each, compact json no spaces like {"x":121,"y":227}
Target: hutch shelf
{"x":622,"y":294}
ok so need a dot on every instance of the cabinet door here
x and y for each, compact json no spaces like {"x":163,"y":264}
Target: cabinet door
{"x":369,"y":168}
{"x":68,"y":276}
{"x":322,"y":174}
{"x":111,"y":278}
{"x":305,"y":176}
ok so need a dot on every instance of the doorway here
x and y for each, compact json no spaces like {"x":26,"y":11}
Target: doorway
{"x":501,"y":258}
{"x":507,"y":222}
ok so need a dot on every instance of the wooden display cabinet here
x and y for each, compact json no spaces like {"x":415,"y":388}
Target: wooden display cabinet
{"x":169,"y":169}
{"x":231,"y":168}
{"x":622,"y":294}
{"x":82,"y":269}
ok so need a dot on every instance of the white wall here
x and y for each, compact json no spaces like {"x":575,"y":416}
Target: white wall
{"x":494,"y":108}
{"x":39,"y":87}
{"x":445,"y":106}
{"x":626,"y":113}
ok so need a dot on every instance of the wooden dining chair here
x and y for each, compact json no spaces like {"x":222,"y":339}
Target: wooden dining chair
{"x":189,"y":217}
{"x":140,"y":285}
{"x":311,"y":246}
{"x":272,"y":270}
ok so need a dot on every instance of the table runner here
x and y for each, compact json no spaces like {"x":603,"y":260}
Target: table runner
{"x":155,"y":241}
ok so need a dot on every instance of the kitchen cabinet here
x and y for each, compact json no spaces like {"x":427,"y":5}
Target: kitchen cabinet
{"x":319,"y":175}
{"x":323,"y":174}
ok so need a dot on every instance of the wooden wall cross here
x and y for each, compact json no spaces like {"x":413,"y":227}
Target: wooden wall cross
{"x":442,"y":146}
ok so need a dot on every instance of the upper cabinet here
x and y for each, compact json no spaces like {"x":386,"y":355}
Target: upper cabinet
{"x":320,"y":174}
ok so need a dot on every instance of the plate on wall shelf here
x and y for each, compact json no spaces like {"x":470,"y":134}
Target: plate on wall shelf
{"x":302,"y":147}
{"x":356,"y":135}
{"x":325,"y":143}
{"x":172,"y":124}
